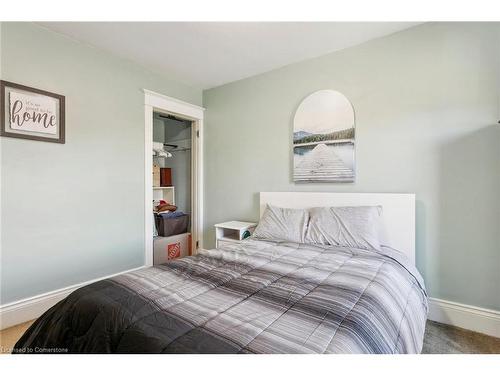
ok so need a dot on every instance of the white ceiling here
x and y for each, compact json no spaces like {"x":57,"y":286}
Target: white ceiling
{"x":210,"y":54}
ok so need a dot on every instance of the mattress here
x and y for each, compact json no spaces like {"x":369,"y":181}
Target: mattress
{"x":248,"y":297}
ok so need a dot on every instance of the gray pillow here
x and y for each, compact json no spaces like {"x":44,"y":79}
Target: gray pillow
{"x":282,"y":224}
{"x":355,"y":227}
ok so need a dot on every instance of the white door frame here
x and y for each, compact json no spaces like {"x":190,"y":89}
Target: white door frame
{"x":162,"y":103}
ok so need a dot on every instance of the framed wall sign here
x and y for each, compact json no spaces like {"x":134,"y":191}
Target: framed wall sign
{"x":30,"y":113}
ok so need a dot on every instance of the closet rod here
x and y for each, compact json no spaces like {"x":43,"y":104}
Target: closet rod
{"x":182,"y":149}
{"x":172,"y":117}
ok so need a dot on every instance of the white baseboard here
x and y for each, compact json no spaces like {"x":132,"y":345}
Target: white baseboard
{"x":31,"y":308}
{"x":465,"y":316}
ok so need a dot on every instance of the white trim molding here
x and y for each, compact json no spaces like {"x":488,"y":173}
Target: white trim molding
{"x":173,"y":105}
{"x":31,"y":308}
{"x":468,"y":317}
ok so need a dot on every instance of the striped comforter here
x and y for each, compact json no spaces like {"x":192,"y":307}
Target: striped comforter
{"x":254,"y":297}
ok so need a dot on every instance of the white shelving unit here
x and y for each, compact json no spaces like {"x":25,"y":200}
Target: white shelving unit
{"x":167,"y":193}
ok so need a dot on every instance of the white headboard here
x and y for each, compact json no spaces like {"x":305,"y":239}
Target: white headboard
{"x":398,"y":211}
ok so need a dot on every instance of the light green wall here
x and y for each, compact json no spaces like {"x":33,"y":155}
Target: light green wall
{"x":74,"y":212}
{"x":427,"y":104}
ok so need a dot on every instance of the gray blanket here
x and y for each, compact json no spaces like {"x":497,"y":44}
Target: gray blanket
{"x":254,"y":297}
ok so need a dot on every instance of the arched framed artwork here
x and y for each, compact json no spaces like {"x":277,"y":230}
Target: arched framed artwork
{"x":324,"y":139}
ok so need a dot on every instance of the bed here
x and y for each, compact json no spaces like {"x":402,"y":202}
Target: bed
{"x":256,"y":296}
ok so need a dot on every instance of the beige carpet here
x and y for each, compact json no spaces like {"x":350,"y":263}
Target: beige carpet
{"x":443,"y":339}
{"x":439,"y":339}
{"x":9,"y":336}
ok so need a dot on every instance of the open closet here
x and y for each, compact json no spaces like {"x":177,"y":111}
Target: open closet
{"x":172,"y":187}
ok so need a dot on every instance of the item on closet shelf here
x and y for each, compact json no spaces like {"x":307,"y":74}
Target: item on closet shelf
{"x":157,"y":146}
{"x":156,"y":175}
{"x":159,"y":150}
{"x":166,"y":207}
{"x":165,"y":176}
{"x":156,"y":203}
{"x":167,"y":225}
{"x":173,"y":247}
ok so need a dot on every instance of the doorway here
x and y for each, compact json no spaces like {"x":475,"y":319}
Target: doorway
{"x":176,"y":126}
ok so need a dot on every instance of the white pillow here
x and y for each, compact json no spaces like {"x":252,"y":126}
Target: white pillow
{"x":282,"y":224}
{"x":355,"y":227}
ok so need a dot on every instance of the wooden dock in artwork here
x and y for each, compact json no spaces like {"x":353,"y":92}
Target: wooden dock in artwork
{"x":322,"y":165}
{"x":329,"y":142}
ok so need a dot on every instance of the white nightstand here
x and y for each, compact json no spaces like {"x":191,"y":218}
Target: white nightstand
{"x":233,"y":231}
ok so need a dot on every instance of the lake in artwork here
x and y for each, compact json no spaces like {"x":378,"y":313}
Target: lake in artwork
{"x":324,"y":139}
